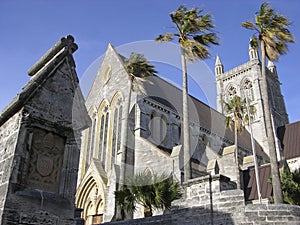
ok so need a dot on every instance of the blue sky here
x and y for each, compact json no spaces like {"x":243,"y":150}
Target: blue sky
{"x":29,"y":28}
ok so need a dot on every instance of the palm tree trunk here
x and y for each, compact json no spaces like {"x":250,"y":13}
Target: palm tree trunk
{"x":236,"y":158}
{"x":125,"y":137}
{"x":277,"y":190}
{"x":186,"y":129}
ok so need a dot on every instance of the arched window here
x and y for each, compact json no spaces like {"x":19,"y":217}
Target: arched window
{"x":119,"y":128}
{"x":231,"y":92}
{"x":179,"y":133}
{"x":116,"y":127}
{"x":152,"y":122}
{"x":103,"y":135}
{"x":247,"y":89}
{"x":114,"y":137}
{"x":163,"y":130}
{"x":154,"y":127}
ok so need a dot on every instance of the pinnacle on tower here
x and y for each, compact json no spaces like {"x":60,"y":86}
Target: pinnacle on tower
{"x":253,"y":53}
{"x":219,"y":69}
{"x":272,"y":67}
{"x":271,"y":64}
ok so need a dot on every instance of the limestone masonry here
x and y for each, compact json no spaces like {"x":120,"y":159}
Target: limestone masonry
{"x":63,"y":157}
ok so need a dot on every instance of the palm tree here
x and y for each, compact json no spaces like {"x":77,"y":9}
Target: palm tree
{"x":291,"y":186}
{"x":138,"y":68}
{"x":273,"y":36}
{"x":125,"y":201}
{"x":150,"y":191}
{"x":236,"y":108}
{"x":194,"y":32}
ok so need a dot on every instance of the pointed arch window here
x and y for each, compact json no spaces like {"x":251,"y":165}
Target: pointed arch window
{"x":114,"y":137}
{"x":179,"y":133}
{"x":163,"y":130}
{"x":247,"y":89}
{"x":154,"y":127}
{"x":231,"y":92}
{"x":117,"y":126}
{"x":103,"y":135}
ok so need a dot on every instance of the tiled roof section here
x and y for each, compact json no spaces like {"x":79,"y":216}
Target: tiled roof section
{"x":289,"y":136}
{"x":251,"y":192}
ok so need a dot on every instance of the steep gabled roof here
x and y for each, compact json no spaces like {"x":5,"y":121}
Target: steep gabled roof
{"x":40,"y":73}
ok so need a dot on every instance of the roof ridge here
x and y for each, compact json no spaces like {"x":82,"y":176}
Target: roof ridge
{"x":52,"y":52}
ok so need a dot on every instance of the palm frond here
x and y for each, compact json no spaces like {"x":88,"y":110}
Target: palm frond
{"x":165,"y":38}
{"x":228,"y":122}
{"x":149,"y":190}
{"x":206,"y":39}
{"x":254,"y":42}
{"x":138,"y":65}
{"x":249,"y":25}
{"x":273,"y":30}
{"x":195,"y":32}
{"x":194,"y":50}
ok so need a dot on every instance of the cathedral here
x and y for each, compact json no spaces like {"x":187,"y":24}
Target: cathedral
{"x":154,"y":119}
{"x":123,"y":128}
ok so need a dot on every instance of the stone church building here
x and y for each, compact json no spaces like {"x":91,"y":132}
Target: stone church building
{"x":49,"y":129}
{"x":154,"y":131}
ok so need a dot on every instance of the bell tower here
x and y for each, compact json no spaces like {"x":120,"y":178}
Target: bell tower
{"x":245,"y":80}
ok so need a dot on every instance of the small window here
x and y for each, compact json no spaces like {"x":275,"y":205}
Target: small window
{"x":107,"y":74}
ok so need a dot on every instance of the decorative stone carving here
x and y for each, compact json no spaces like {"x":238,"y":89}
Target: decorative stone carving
{"x":46,"y":156}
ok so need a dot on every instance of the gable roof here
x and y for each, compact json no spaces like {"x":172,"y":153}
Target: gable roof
{"x":41,"y":71}
{"x":289,"y":136}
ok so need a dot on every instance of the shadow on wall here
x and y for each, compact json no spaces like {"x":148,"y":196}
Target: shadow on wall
{"x":183,"y":216}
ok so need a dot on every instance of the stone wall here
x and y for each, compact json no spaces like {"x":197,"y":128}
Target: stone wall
{"x":40,"y":143}
{"x":8,"y":137}
{"x":214,"y":200}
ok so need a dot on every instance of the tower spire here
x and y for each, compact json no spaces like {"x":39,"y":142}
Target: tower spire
{"x":253,"y":53}
{"x":272,"y":68}
{"x":219,"y":69}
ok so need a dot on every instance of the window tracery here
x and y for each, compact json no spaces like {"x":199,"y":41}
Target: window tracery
{"x":231,"y":91}
{"x":117,"y":126}
{"x":163,"y":130}
{"x":103,"y":133}
{"x":247,"y":89}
